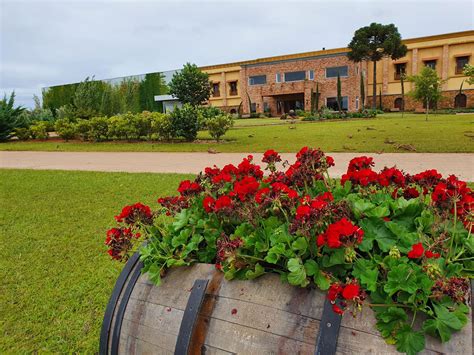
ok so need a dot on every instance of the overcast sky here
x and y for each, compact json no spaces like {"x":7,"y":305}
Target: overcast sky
{"x":53,"y":42}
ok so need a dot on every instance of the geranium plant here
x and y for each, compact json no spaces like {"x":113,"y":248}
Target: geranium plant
{"x":398,"y":243}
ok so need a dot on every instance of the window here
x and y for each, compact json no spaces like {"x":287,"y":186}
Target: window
{"x":331,"y":103}
{"x":430,"y":63}
{"x":311,"y":74}
{"x":460,"y":63}
{"x":333,"y":71}
{"x":357,"y":102}
{"x":253,"y":107}
{"x":258,"y":80}
{"x":215,"y":90}
{"x":295,"y":76}
{"x":266,"y":107}
{"x":399,"y":70}
{"x":233,"y":88}
{"x":398,"y":103}
{"x":278,"y":77}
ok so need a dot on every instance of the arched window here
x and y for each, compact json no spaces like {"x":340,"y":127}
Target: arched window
{"x":233,"y":111}
{"x":398,"y":103}
{"x":460,"y":100}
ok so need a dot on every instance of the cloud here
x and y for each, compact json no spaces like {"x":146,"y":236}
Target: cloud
{"x":54,"y":42}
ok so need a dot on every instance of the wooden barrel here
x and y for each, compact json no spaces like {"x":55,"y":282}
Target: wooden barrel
{"x":263,"y":316}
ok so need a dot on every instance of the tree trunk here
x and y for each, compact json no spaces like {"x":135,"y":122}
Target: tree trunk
{"x":427,"y":109}
{"x":402,"y":82}
{"x":374,"y":89}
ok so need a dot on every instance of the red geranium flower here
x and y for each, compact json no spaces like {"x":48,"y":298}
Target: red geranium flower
{"x":416,"y":251}
{"x":303,"y":211}
{"x":334,"y":291}
{"x":271,"y":157}
{"x":351,"y":291}
{"x":341,"y":233}
{"x":208,"y":204}
{"x":187,"y":187}
{"x":222,"y":202}
{"x":245,"y":187}
{"x":261,"y":194}
{"x":429,"y":254}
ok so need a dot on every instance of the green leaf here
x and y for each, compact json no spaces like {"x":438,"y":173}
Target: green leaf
{"x":297,"y":275}
{"x":409,"y":341}
{"x":389,"y":320}
{"x":401,"y":278}
{"x":444,"y":324}
{"x":367,"y":273}
{"x":360,"y":206}
{"x":335,"y":258}
{"x":154,"y":274}
{"x":378,"y":212}
{"x":253,"y":274}
{"x":322,"y":281}
{"x":425,"y":221}
{"x":311,"y":267}
{"x":181,"y":238}
{"x":375,"y":229}
{"x":300,"y":244}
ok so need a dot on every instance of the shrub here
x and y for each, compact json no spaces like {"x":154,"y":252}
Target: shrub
{"x":219,"y":125}
{"x":142,"y":123}
{"x":22,"y":133}
{"x":185,"y":122}
{"x":65,"y":129}
{"x":403,"y":240}
{"x":9,"y":117}
{"x":39,"y":130}
{"x":84,"y":127}
{"x":162,"y":126}
{"x":123,"y":127}
{"x":99,"y":128}
{"x":206,"y":113}
{"x":66,"y":111}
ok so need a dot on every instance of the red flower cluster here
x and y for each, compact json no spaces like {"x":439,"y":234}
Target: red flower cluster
{"x":271,"y":157}
{"x":341,"y":233}
{"x":391,"y":176}
{"x":310,"y":165}
{"x":359,"y":172}
{"x":428,"y":178}
{"x":119,"y":241}
{"x":360,"y":163}
{"x":309,"y":205}
{"x":137,"y":212}
{"x":246,"y":187}
{"x":173,"y":204}
{"x":351,"y":292}
{"x":417,"y":251}
{"x":188,"y":188}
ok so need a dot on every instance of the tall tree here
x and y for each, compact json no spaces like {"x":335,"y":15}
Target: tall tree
{"x":427,"y":88}
{"x":190,"y":85}
{"x":374,"y":42}
{"x":362,"y":90}
{"x":88,"y":98}
{"x":153,"y":84}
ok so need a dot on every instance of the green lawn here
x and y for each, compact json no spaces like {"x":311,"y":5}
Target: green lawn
{"x":442,"y":133}
{"x":55,"y":275}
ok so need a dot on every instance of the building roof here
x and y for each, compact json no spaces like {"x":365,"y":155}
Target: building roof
{"x":333,"y":51}
{"x":165,"y":98}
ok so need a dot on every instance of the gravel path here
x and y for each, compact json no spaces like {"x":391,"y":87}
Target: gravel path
{"x":460,"y":164}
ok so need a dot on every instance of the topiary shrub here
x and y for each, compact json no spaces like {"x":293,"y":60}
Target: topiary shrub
{"x":99,"y":128}
{"x":185,"y":122}
{"x":219,"y":125}
{"x":39,"y":130}
{"x":161,"y":126}
{"x":65,"y":129}
{"x":22,"y":133}
{"x":83,"y":129}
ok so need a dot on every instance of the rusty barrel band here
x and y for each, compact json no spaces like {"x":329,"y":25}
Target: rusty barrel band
{"x":328,"y":331}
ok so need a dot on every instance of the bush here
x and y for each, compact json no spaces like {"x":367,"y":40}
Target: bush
{"x":185,"y":122}
{"x":206,"y":113}
{"x":123,"y":127}
{"x":66,"y":111}
{"x":161,"y":126}
{"x":219,"y":125}
{"x":142,"y":123}
{"x":65,"y":129}
{"x":9,"y":117}
{"x":83,"y":129}
{"x":99,"y":128}
{"x":22,"y":133}
{"x":39,"y":130}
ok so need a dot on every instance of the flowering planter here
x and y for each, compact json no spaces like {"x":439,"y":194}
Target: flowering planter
{"x":392,"y":249}
{"x":261,"y":316}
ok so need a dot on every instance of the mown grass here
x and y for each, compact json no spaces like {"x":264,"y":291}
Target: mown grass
{"x":55,"y":275}
{"x":386,"y":133}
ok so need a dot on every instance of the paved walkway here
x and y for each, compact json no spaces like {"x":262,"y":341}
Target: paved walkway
{"x":460,"y":164}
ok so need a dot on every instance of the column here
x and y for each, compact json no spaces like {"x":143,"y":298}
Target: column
{"x":445,"y":65}
{"x":224,"y":90}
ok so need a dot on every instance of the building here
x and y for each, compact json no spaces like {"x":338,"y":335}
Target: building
{"x":282,"y":83}
{"x":289,"y":82}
